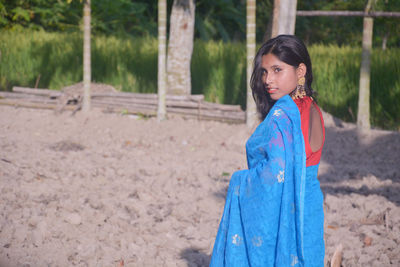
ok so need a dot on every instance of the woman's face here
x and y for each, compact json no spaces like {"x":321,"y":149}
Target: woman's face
{"x":279,"y":78}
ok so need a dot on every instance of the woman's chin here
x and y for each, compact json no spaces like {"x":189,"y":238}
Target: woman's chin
{"x":275,"y":96}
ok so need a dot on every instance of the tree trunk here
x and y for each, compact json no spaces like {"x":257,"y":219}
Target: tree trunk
{"x":363,"y":121}
{"x":180,"y":47}
{"x":162,"y":75}
{"x":86,"y":57}
{"x":251,"y":111}
{"x":284,"y":17}
{"x":275,"y":18}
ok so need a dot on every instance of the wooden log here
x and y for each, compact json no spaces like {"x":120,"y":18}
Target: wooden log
{"x":130,"y":109}
{"x":119,"y":100}
{"x":171,"y":103}
{"x":215,"y":114}
{"x":123,"y":105}
{"x":145,"y":104}
{"x":116,"y":94}
{"x":34,"y":100}
{"x":28,"y":104}
{"x":191,"y":106}
{"x":150,"y":96}
{"x":152,"y":113}
{"x":195,"y":112}
{"x":124,"y":110}
{"x":209,"y":113}
{"x":209,"y":105}
{"x":33,"y":91}
{"x":204,"y":117}
{"x":21,"y":95}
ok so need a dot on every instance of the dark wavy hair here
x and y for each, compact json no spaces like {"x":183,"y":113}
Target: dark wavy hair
{"x":289,"y":49}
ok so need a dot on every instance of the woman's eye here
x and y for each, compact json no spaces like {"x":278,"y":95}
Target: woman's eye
{"x":276,"y":70}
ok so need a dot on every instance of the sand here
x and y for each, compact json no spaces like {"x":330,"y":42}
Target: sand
{"x":118,"y":190}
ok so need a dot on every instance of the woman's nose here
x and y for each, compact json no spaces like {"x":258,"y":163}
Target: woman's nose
{"x":268,"y":79}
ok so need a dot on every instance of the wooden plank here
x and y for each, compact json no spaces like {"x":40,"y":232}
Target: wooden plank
{"x":34,"y":100}
{"x":226,"y":107}
{"x":216,"y":114}
{"x":21,"y":95}
{"x":125,"y":110}
{"x":131,"y":109}
{"x":123,"y":105}
{"x":116,"y":94}
{"x":131,"y":103}
{"x":178,"y":110}
{"x":170,"y":103}
{"x":149,"y":96}
{"x":33,"y":91}
{"x":28,"y":104}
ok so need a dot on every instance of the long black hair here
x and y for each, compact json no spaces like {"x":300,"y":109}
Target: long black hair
{"x":289,"y":49}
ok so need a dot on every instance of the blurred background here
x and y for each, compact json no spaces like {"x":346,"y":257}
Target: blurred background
{"x":41,"y":46}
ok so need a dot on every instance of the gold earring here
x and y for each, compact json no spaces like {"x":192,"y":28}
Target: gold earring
{"x":300,"y":91}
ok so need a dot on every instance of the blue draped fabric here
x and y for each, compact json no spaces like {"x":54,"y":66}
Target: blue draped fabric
{"x":263,"y":223}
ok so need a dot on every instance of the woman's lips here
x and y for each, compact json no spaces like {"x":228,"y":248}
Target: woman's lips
{"x":272,"y":90}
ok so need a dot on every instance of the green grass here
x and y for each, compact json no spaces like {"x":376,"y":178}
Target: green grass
{"x":128,"y":64}
{"x":336,"y":79}
{"x":218,"y":70}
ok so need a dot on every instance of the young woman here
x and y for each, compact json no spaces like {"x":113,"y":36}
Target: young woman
{"x":273,"y":214}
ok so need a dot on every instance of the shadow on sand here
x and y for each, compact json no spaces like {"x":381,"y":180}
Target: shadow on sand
{"x":195,"y":257}
{"x":349,"y":155}
{"x":352,"y":156}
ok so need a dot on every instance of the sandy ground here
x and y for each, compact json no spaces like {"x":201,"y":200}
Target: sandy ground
{"x":114,"y":190}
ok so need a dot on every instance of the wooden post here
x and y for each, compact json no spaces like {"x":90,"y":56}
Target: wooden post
{"x":86,"y":57}
{"x":363,"y":120}
{"x":251,"y":111}
{"x":162,"y":74}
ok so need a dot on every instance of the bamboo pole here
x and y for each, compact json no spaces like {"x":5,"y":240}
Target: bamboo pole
{"x":251,"y":111}
{"x":363,"y":120}
{"x":162,"y":51}
{"x":345,"y":13}
{"x":87,"y":71}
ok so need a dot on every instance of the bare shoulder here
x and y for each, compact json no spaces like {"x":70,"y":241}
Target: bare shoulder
{"x":316,"y":131}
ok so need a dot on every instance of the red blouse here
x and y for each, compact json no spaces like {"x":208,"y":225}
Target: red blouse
{"x":304,"y":105}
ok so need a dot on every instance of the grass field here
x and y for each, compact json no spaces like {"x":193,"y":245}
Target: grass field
{"x":54,"y":60}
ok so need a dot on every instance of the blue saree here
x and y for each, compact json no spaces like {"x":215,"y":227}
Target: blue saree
{"x":263,"y":223}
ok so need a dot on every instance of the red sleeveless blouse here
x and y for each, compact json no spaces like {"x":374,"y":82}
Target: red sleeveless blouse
{"x":304,"y":105}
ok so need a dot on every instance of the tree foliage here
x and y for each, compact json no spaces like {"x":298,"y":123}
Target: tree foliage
{"x":215,"y":19}
{"x":346,"y":30}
